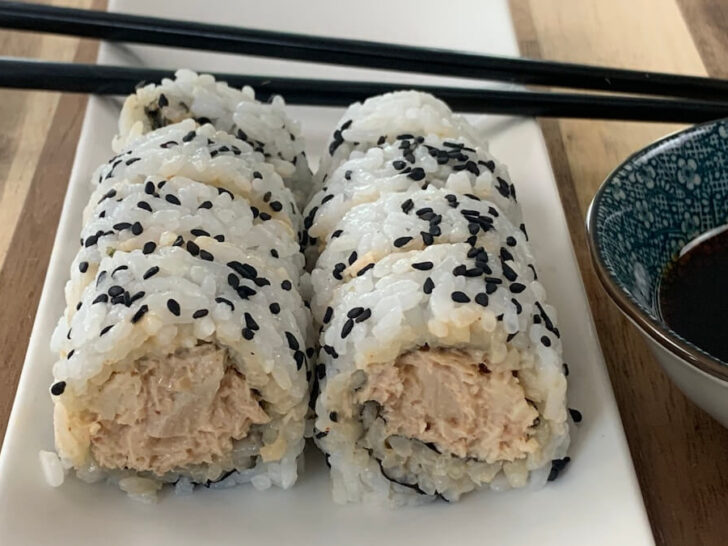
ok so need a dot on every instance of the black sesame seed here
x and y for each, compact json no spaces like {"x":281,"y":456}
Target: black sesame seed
{"x":355,"y":312}
{"x":245,"y":292}
{"x":333,"y":416}
{"x":328,"y":315}
{"x":401,"y":241}
{"x":481,"y":298}
{"x":546,"y":341}
{"x":320,"y":371}
{"x":429,"y":286}
{"x":192,"y":248}
{"x":139,"y":314}
{"x":274,"y":308}
{"x":58,"y":388}
{"x":226,"y":301}
{"x":205,"y":205}
{"x":233,"y":280}
{"x":172,"y":199}
{"x":78,"y":305}
{"x":346,"y":329}
{"x":286,"y":285}
{"x":459,"y":297}
{"x":168,"y":144}
{"x":256,"y":174}
{"x":353,"y":257}
{"x":274,"y":252}
{"x":136,"y":228}
{"x":565,"y":368}
{"x":199,"y":232}
{"x":144,"y":206}
{"x":427,"y":238}
{"x":292,"y":341}
{"x":505,"y":255}
{"x":509,"y":273}
{"x":337,"y":233}
{"x":576,"y":415}
{"x":105,"y":329}
{"x":101,"y":298}
{"x":179,"y":241}
{"x":511,"y":241}
{"x":162,"y":101}
{"x":265,"y":216}
{"x":250,"y":321}
{"x":407,"y":206}
{"x":189,"y":136}
{"x":173,"y":307}
{"x":205,"y":255}
{"x":115,"y":290}
{"x":300,"y":359}
{"x":557,"y":466}
{"x":248,"y":333}
{"x":363,"y":316}
{"x":364,"y":269}
{"x":149,"y":247}
{"x":246,"y":271}
{"x":517,"y":287}
{"x":422,"y":266}
{"x":83,"y":267}
{"x":122,"y":226}
{"x":276,"y":206}
{"x":200,"y":313}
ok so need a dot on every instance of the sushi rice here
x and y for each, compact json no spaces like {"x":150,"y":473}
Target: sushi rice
{"x":440,"y":368}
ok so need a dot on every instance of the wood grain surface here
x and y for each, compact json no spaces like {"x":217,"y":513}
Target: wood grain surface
{"x":678,"y":451}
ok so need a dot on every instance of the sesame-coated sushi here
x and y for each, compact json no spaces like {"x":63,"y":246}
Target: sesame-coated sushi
{"x":205,"y":155}
{"x":183,"y":351}
{"x":434,"y":383}
{"x":410,"y":162}
{"x":183,"y":364}
{"x":265,"y":126}
{"x":440,"y":367}
{"x":413,"y":220}
{"x":174,"y":212}
{"x":381,"y":119}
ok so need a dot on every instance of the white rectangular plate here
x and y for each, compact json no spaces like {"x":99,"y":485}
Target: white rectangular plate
{"x":596,"y":501}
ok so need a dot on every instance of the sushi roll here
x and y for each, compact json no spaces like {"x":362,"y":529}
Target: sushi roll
{"x":175,"y":212}
{"x":205,"y":155}
{"x":382,"y":118}
{"x":440,"y":368}
{"x":412,"y":220}
{"x":410,"y":162}
{"x":434,"y":383}
{"x":266,"y":127}
{"x":183,"y":364}
{"x":183,"y":351}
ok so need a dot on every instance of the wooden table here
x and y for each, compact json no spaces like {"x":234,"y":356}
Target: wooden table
{"x":679,"y":452}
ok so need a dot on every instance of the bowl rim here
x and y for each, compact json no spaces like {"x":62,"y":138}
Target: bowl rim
{"x":686,"y":352}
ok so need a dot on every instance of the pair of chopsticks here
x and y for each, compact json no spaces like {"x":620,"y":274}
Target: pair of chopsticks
{"x":694,"y":99}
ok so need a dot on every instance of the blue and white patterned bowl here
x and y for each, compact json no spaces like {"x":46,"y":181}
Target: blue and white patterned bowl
{"x":650,"y":207}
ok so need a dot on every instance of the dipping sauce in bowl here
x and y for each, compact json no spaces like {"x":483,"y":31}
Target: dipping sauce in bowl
{"x":693,"y":293}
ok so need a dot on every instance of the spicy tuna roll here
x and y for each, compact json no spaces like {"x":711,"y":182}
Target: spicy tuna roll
{"x":434,"y":382}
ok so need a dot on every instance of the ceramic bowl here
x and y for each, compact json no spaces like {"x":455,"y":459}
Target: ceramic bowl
{"x":650,"y":207}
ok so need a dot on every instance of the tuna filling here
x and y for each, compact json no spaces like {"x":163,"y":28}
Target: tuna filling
{"x":452,"y":399}
{"x":186,"y":408}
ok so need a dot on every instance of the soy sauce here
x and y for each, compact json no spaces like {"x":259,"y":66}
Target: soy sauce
{"x":693,"y":295}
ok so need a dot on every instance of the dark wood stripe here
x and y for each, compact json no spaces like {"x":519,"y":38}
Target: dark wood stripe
{"x":24,"y":269}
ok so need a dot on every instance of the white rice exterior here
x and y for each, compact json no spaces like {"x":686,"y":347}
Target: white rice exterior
{"x":202,"y":210}
{"x":193,"y":214}
{"x":404,"y":181}
{"x":267,"y":362}
{"x":382,"y":118}
{"x":404,"y":317}
{"x":372,"y":231}
{"x":205,"y":155}
{"x":405,"y":165}
{"x":266,"y":127}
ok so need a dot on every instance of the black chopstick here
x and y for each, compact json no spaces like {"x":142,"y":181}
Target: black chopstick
{"x":229,"y":39}
{"x":121,"y":80}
